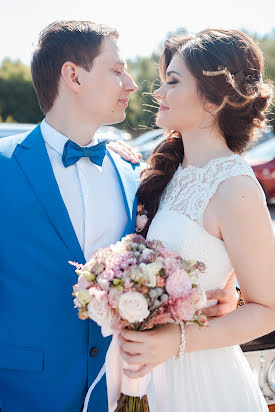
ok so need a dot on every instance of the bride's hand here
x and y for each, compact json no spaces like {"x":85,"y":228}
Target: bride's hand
{"x":125,"y":151}
{"x":149,"y":348}
{"x":227,"y":299}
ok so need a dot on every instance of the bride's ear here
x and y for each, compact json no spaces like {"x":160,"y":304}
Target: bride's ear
{"x":211,"y":108}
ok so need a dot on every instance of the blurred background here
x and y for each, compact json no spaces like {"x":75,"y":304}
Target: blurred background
{"x":143,"y":27}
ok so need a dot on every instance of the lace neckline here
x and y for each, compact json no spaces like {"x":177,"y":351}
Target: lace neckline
{"x":216,"y":159}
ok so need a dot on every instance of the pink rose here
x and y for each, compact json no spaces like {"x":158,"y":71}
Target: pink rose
{"x":182,"y":310}
{"x":83,"y":283}
{"x":100,"y":312}
{"x":178,"y":284}
{"x":114,"y":296}
{"x":141,"y":222}
{"x":133,"y":307}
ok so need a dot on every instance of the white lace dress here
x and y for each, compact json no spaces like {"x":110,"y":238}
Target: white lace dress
{"x":216,"y":380}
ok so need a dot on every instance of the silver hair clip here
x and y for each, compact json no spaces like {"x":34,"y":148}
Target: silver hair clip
{"x":214,"y":73}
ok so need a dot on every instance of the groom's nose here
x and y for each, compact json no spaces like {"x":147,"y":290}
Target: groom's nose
{"x":130,"y":86}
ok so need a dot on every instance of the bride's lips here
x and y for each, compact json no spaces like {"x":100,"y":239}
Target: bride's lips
{"x":124,"y":102}
{"x":162,"y":108}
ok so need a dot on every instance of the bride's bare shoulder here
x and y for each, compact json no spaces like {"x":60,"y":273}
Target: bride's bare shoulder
{"x":236,"y":190}
{"x":240,"y":199}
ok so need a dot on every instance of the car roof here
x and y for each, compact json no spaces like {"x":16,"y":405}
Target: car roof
{"x":10,"y":129}
{"x":110,"y":133}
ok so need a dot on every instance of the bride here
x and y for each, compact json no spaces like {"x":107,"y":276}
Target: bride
{"x":204,"y":202}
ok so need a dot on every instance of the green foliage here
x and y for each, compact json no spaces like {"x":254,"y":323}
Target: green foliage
{"x":18,"y":102}
{"x":267,"y":44}
{"x":141,"y":110}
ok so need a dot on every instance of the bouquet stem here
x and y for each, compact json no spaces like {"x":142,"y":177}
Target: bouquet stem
{"x":132,"y":404}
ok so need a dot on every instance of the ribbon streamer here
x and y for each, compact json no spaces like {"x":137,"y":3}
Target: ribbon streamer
{"x":118,"y":383}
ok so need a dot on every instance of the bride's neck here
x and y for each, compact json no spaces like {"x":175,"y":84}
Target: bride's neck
{"x":203,"y":145}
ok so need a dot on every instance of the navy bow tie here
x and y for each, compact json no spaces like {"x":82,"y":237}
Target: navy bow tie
{"x":73,"y":152}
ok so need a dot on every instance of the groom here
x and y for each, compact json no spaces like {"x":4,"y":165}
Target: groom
{"x":64,"y":195}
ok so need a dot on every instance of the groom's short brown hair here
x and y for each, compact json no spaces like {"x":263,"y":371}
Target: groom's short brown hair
{"x":61,"y":41}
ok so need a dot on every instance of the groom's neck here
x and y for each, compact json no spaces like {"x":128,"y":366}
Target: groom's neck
{"x":72,"y":125}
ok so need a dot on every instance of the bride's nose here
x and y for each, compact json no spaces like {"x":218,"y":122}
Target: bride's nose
{"x":158,"y":93}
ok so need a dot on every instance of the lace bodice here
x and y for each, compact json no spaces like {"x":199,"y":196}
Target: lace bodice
{"x":179,"y":220}
{"x":191,"y":189}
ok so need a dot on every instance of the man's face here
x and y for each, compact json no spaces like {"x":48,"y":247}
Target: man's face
{"x":106,"y":88}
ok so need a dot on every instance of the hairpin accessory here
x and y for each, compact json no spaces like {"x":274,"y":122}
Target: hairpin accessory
{"x":214,"y":73}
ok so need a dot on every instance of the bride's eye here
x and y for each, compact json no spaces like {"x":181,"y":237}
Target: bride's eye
{"x":172,"y":82}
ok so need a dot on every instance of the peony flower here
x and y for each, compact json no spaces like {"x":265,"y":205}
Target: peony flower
{"x":141,"y":222}
{"x":182,"y":310}
{"x":100,"y":312}
{"x":114,"y":296}
{"x":178,"y":284}
{"x":133,"y":307}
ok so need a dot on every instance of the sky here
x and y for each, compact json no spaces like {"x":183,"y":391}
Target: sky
{"x":142,"y":24}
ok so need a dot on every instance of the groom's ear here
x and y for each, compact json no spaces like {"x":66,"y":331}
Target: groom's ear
{"x":70,"y":75}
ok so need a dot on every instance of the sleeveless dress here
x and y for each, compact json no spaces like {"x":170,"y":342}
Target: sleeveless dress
{"x":215,"y":380}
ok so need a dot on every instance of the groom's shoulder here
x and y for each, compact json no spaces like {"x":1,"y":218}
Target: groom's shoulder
{"x":9,"y":143}
{"x":139,"y":169}
{"x":123,"y":165}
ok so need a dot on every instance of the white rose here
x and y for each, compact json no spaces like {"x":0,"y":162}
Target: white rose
{"x":150,"y":271}
{"x":133,"y":307}
{"x":99,"y":311}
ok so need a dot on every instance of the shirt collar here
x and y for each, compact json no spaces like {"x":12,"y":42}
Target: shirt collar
{"x":57,"y":140}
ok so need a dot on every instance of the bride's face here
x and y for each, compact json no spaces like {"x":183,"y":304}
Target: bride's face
{"x":181,"y":107}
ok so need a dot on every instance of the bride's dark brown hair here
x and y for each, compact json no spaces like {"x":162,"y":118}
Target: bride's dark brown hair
{"x":228,"y":67}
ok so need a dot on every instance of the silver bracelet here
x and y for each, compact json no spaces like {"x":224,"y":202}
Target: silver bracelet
{"x":182,"y":342}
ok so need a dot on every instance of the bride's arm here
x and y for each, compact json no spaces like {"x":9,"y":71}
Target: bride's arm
{"x":246,"y":229}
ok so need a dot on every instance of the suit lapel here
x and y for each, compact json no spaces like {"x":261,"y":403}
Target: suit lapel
{"x":129,"y":183}
{"x":32,"y":156}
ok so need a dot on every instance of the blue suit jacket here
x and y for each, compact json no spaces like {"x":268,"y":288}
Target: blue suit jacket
{"x":45,"y":362}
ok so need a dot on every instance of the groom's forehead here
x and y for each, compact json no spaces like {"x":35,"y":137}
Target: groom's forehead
{"x":111,"y":53}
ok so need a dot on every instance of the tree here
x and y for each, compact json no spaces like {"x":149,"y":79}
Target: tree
{"x":17,"y":97}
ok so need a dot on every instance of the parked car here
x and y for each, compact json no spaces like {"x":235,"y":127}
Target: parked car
{"x":262,"y":160}
{"x":147,"y":142}
{"x":260,"y":354}
{"x":109,"y":133}
{"x":10,"y":129}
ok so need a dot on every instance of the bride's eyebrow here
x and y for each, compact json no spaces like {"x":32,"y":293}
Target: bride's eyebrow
{"x":171,"y":72}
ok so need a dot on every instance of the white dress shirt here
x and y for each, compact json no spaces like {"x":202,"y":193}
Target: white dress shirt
{"x":91,"y":193}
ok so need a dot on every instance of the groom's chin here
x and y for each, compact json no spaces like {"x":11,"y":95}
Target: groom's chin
{"x":118,"y":118}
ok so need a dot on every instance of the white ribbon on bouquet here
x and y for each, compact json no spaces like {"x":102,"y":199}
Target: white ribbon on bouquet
{"x":118,"y":383}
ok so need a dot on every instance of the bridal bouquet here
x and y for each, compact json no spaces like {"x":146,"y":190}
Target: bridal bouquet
{"x":136,"y":284}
